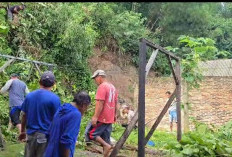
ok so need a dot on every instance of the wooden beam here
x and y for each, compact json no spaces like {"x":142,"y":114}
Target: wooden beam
{"x":27,"y":60}
{"x":159,"y":118}
{"x":30,"y":72}
{"x":125,"y":135}
{"x":141,"y":99}
{"x":155,"y":46}
{"x":178,"y":97}
{"x":151,"y":61}
{"x":173,"y":71}
{"x":37,"y":67}
{"x":6,"y":64}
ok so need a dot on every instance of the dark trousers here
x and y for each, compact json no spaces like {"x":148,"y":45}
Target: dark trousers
{"x":36,"y":145}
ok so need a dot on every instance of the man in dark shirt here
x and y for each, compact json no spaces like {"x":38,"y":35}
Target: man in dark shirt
{"x":17,"y":90}
{"x":14,"y":10}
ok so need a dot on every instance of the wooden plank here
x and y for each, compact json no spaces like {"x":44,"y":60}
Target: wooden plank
{"x":6,"y":64}
{"x":125,"y":135}
{"x":27,"y":60}
{"x":178,"y":97}
{"x":151,"y":61}
{"x":141,"y":99}
{"x":37,"y":67}
{"x":173,"y":71}
{"x":155,"y":46}
{"x":159,"y":118}
{"x":30,"y":72}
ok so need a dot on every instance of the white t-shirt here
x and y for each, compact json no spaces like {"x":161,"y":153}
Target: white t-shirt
{"x":130,"y":115}
{"x":172,"y":106}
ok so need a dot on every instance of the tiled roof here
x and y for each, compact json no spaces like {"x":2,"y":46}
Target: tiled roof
{"x":220,"y":67}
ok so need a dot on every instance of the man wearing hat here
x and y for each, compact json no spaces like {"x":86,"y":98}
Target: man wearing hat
{"x":17,"y":90}
{"x":38,"y":110}
{"x":105,"y":112}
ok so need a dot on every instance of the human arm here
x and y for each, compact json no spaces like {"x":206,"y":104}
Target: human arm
{"x":100,"y":99}
{"x":98,"y":109}
{"x":55,"y":105}
{"x":16,"y":10}
{"x":69,"y":135}
{"x":22,"y":135}
{"x":27,"y":90}
{"x":117,"y":107}
{"x":6,"y":87}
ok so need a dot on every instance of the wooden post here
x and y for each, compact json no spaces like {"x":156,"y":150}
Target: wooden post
{"x":159,"y":118}
{"x":125,"y":135}
{"x":173,"y":71}
{"x":140,"y":113}
{"x":186,"y":107}
{"x":151,"y":61}
{"x":178,"y":97}
{"x":141,"y":106}
{"x":37,"y":67}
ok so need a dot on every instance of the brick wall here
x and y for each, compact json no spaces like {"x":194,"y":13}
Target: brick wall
{"x":211,"y":103}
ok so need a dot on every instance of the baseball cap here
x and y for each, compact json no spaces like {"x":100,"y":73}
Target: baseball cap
{"x":48,"y":78}
{"x":98,"y":72}
{"x":14,"y":75}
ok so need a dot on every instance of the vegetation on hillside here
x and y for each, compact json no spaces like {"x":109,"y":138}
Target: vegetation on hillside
{"x":65,"y":34}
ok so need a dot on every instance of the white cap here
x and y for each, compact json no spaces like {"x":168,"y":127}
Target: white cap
{"x":98,"y":72}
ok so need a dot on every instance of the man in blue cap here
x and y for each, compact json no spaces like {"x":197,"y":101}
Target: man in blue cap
{"x":38,"y":110}
{"x":17,"y":90}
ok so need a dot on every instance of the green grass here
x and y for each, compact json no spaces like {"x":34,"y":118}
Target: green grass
{"x":13,"y":150}
{"x":161,"y":138}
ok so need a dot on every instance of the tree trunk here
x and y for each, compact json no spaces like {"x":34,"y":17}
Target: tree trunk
{"x":186,"y":107}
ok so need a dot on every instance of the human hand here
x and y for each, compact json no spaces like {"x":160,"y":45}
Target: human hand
{"x":94,"y":121}
{"x":115,"y":118}
{"x":22,"y":137}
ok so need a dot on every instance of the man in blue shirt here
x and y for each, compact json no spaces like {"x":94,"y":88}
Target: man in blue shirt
{"x":38,"y":110}
{"x":65,"y":127}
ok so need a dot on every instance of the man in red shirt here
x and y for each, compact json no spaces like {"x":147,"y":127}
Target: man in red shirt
{"x":105,"y":112}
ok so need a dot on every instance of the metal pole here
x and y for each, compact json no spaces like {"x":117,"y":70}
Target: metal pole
{"x":141,"y":99}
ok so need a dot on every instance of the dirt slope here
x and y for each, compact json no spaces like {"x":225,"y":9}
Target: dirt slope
{"x":119,"y":70}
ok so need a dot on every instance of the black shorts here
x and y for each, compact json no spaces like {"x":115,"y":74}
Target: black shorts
{"x":101,"y":129}
{"x":15,"y":115}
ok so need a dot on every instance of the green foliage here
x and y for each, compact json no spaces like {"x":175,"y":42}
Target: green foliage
{"x":4,"y":30}
{"x":159,"y":137}
{"x":127,"y":28}
{"x":203,"y":142}
{"x":192,"y":51}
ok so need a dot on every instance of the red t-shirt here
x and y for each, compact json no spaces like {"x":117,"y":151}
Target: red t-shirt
{"x":107,"y":92}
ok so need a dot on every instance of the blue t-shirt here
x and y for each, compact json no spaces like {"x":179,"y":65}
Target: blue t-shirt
{"x":64,"y":130}
{"x":40,"y":106}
